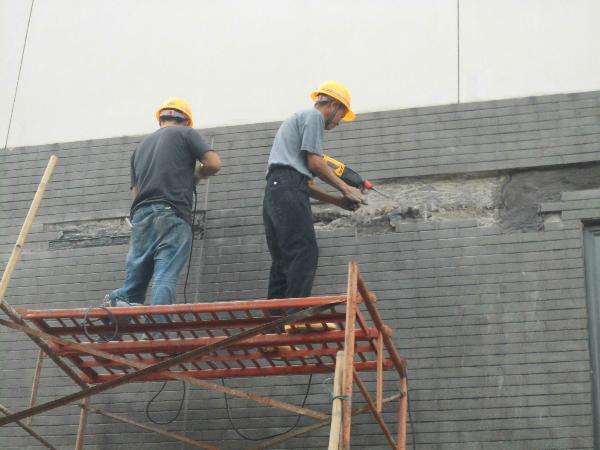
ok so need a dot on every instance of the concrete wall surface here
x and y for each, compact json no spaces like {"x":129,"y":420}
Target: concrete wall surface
{"x":477,"y":264}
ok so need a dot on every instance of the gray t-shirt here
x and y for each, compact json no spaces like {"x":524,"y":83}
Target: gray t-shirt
{"x":301,"y":133}
{"x":162,"y":168}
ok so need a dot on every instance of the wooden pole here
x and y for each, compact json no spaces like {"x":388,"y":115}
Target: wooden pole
{"x":83,"y":415}
{"x":336,"y":404}
{"x":402,"y":413}
{"x":31,"y":431}
{"x":351,"y":303}
{"x":36,"y":382}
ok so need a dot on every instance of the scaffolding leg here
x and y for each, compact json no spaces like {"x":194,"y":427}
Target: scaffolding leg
{"x":82,"y":424}
{"x":402,"y":413}
{"x":348,"y":375}
{"x":336,"y":406}
{"x":36,"y":383}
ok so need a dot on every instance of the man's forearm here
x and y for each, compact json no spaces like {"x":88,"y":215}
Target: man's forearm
{"x":322,"y":170}
{"x":321,"y":195}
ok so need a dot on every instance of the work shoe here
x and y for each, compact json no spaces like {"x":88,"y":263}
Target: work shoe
{"x":112,"y":321}
{"x":310,"y":327}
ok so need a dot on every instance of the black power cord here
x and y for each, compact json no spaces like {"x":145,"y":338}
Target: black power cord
{"x":249,"y":438}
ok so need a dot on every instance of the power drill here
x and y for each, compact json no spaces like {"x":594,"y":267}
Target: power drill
{"x":350,"y":177}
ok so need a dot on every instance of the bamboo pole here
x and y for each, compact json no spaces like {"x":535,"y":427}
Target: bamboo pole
{"x":336,"y":403}
{"x":36,"y":382}
{"x":29,"y":430}
{"x":18,"y":248}
{"x":402,"y":414}
{"x":349,"y":341}
{"x":16,"y":256}
{"x":158,"y":430}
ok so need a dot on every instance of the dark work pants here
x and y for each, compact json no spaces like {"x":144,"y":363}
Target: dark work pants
{"x":290,"y":233}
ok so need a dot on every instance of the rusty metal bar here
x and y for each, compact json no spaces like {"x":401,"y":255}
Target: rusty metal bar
{"x":178,"y":346}
{"x":379,"y":388}
{"x":36,"y":382}
{"x":186,"y":377}
{"x":307,"y":429}
{"x":176,"y":360}
{"x":31,"y":431}
{"x":351,"y":306}
{"x":158,"y":430}
{"x":304,"y":369}
{"x":399,"y":362}
{"x":373,"y":408}
{"x":240,"y":305}
{"x":83,"y":415}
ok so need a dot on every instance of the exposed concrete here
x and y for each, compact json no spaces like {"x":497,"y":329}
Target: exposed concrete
{"x":510,"y":201}
{"x":422,"y":199}
{"x":101,"y":232}
{"x":526,"y":190}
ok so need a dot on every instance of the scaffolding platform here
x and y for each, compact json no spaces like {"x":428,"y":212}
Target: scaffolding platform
{"x":101,"y":348}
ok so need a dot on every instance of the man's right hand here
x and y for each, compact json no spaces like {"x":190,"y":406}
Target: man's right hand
{"x":353,"y":195}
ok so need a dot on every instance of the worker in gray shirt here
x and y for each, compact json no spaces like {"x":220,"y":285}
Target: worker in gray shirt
{"x":296,"y":158}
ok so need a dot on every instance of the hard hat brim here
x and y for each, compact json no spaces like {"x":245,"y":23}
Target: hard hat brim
{"x":349,"y":117}
{"x":157,"y":114}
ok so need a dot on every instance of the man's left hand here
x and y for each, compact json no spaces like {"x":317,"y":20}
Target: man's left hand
{"x":347,"y":204}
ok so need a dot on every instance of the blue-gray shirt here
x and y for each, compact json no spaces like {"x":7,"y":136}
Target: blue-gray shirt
{"x":301,"y":133}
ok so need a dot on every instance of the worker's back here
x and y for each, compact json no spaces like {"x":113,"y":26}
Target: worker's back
{"x":162,"y":168}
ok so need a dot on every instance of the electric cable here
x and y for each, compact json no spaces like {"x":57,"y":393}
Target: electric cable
{"x":180,"y":408}
{"x":185,"y":284}
{"x":87,"y":321}
{"x":249,"y":438}
{"x":12,"y":108}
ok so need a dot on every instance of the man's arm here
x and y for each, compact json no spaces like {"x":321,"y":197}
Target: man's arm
{"x":208,"y":165}
{"x":322,"y":196}
{"x":134,"y":192}
{"x":318,"y":166}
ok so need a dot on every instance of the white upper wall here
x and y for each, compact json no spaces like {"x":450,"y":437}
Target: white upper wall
{"x":99,"y":68}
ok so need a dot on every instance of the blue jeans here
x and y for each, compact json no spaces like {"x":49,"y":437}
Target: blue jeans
{"x":159,"y":247}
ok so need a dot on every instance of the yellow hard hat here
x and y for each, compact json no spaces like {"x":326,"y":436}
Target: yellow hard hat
{"x":338,"y":91}
{"x":177,"y":104}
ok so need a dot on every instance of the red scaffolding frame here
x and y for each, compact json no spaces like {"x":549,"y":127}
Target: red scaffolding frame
{"x":199,"y":342}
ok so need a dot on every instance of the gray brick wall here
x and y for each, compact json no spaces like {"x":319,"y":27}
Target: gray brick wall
{"x":493,"y":323}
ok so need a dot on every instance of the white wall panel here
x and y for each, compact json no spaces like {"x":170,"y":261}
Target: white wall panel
{"x":517,"y":48}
